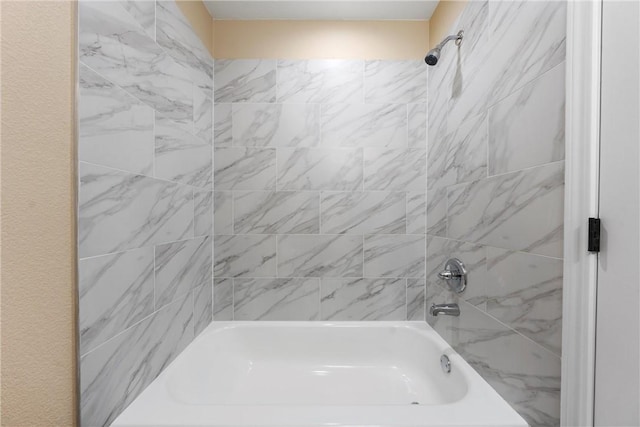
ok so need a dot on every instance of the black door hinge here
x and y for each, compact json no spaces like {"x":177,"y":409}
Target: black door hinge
{"x":594,"y":235}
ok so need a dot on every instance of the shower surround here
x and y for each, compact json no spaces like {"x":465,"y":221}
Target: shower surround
{"x":320,"y":181}
{"x":145,"y":197}
{"x":495,"y":196}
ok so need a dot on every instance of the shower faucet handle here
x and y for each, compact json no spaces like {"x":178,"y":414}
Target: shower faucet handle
{"x":455,"y":274}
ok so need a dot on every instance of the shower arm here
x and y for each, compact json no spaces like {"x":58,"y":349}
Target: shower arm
{"x":456,"y":37}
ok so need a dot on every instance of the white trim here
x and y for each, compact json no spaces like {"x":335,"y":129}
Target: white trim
{"x":584,"y":33}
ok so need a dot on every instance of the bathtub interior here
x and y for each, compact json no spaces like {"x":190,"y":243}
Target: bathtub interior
{"x":314,"y":364}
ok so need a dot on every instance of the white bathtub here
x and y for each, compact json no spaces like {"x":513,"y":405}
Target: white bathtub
{"x":310,"y":373}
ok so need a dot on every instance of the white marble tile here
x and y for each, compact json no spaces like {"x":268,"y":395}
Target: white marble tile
{"x":437,"y":212}
{"x":115,"y":129}
{"x":527,"y":128}
{"x":525,"y":374}
{"x":525,"y":40}
{"x":177,"y":37}
{"x":282,"y":212}
{"x":284,"y":125}
{"x":222,"y":212}
{"x":239,"y":168}
{"x":392,"y":169}
{"x":524,"y":292}
{"x":416,"y":212}
{"x":473,"y":256}
{"x":364,"y":125}
{"x":144,"y":13}
{"x":363,"y":299}
{"x":319,"y":256}
{"x":245,"y":255}
{"x":389,"y":255}
{"x":441,"y":89}
{"x":337,"y":169}
{"x":417,"y":125}
{"x":276,"y":299}
{"x":202,"y":307}
{"x":203,"y":113}
{"x":363,"y":212}
{"x":203,"y":212}
{"x":399,"y":82}
{"x":112,"y":43}
{"x":222,"y":125}
{"x":180,"y":156}
{"x":521,"y":211}
{"x":245,"y":80}
{"x":416,"y":291}
{"x":180,"y":267}
{"x":460,"y":156}
{"x":320,"y":80}
{"x":222,"y":299}
{"x":120,"y":211}
{"x":116,"y":292}
{"x":114,"y":374}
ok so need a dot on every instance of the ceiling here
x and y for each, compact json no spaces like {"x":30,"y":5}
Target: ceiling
{"x":321,"y":9}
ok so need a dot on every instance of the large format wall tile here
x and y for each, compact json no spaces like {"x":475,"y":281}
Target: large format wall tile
{"x":116,"y":292}
{"x":144,"y":13}
{"x":245,"y":80}
{"x":113,"y":44}
{"x":238,"y":168}
{"x":222,"y":125}
{"x":115,"y":129}
{"x":203,"y":113}
{"x":520,"y":211}
{"x":363,"y":299}
{"x":389,"y":255}
{"x":181,"y":267}
{"x":320,"y":80}
{"x":525,"y":292}
{"x":320,"y":256}
{"x":527,"y":127}
{"x":319,"y":169}
{"x":223,"y":299}
{"x":120,"y":211}
{"x":245,"y":255}
{"x":459,"y":157}
{"x":525,"y":374}
{"x":276,"y":299}
{"x":179,"y":40}
{"x":222,"y":212}
{"x":437,"y":212}
{"x":363,"y":213}
{"x":417,"y":212}
{"x":114,"y":374}
{"x":283,"y":212}
{"x":395,"y":169}
{"x":285,"y":125}
{"x":364,"y":125}
{"x":395,"y":81}
{"x":203,"y":212}
{"x":417,"y":125}
{"x":180,"y":156}
{"x":202,"y":307}
{"x":416,"y":294}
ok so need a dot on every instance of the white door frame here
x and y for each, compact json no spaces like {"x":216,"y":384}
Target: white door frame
{"x":584,"y":36}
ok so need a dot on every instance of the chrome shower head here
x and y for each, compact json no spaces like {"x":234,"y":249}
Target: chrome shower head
{"x":434,"y":54}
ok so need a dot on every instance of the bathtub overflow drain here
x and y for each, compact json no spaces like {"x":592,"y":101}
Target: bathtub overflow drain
{"x":415,"y":403}
{"x":445,"y":363}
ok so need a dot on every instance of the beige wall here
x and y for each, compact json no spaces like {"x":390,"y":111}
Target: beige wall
{"x":200,"y":20}
{"x":443,"y":17}
{"x":321,"y":39}
{"x":38,"y":228}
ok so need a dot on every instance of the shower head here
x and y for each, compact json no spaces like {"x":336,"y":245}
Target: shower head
{"x":434,"y":54}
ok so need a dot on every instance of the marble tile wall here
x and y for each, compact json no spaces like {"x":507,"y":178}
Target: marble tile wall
{"x":495,"y":190}
{"x":145,"y":217}
{"x":320,"y":189}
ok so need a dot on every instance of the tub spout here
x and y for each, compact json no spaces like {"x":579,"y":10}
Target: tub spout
{"x":448,"y":309}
